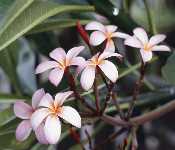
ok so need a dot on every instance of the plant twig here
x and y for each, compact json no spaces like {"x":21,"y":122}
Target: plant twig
{"x":136,"y":90}
{"x":89,"y":139}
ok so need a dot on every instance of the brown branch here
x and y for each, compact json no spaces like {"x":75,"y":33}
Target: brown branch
{"x":136,"y":90}
{"x":96,"y":93}
{"x":135,"y":121}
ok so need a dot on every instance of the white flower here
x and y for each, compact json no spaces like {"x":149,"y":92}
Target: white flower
{"x":49,"y":113}
{"x":103,"y":33}
{"x":60,"y":63}
{"x":140,"y":40}
{"x":108,"y":68}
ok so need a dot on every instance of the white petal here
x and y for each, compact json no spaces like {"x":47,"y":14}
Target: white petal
{"x":45,"y":66}
{"x":87,"y":77}
{"x":133,"y":42}
{"x":105,"y":55}
{"x":23,"y":130}
{"x":38,"y":116}
{"x":160,"y":48}
{"x":111,"y":28}
{"x":22,"y":110}
{"x":156,"y":39}
{"x":71,"y":115}
{"x":146,"y":55}
{"x":95,"y":26}
{"x":58,"y":54}
{"x":120,"y":35}
{"x":78,"y":61}
{"x":40,"y":135}
{"x":52,"y":129}
{"x":96,"y":38}
{"x":55,"y":76}
{"x":61,"y":97}
{"x":36,"y":98}
{"x":110,"y":47}
{"x":109,"y":69}
{"x":141,"y":34}
{"x":73,"y":52}
{"x":46,"y":101}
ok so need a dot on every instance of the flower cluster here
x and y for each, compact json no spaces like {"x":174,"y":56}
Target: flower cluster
{"x":45,"y":113}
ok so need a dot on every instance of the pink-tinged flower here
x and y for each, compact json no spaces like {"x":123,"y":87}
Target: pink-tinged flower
{"x":24,"y":111}
{"x":140,"y":40}
{"x":60,"y":63}
{"x":49,"y":113}
{"x":103,"y":33}
{"x":107,"y":67}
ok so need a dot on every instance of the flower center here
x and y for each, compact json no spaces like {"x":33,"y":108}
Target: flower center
{"x":147,"y":47}
{"x":55,"y":109}
{"x":109,"y":35}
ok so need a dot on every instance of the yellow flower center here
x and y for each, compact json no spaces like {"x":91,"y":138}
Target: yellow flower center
{"x":147,"y":47}
{"x":109,"y":35}
{"x":55,"y":109}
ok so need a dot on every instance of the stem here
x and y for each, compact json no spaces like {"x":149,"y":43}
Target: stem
{"x":152,"y":27}
{"x":89,"y":139}
{"x":135,"y":121}
{"x":126,"y":6}
{"x":96,"y":93}
{"x":72,"y":85}
{"x":136,"y":90}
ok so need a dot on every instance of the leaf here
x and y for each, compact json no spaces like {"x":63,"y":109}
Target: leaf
{"x":168,"y":70}
{"x":53,"y":24}
{"x":6,"y":116}
{"x":37,"y":12}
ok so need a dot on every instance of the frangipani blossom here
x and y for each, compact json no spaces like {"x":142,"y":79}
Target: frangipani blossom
{"x":140,"y":40}
{"x":24,"y":111}
{"x":103,"y":33}
{"x":60,"y":63}
{"x":107,"y":67}
{"x":49,"y":113}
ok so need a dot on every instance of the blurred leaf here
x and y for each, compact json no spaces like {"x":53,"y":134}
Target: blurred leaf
{"x":11,"y":98}
{"x":114,"y":15}
{"x":168,"y":70}
{"x":6,"y":116}
{"x":37,"y":12}
{"x":52,"y":24}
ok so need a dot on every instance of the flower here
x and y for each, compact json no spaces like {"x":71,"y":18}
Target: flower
{"x":108,"y":68}
{"x":49,"y":113}
{"x":103,"y":33}
{"x":140,"y":40}
{"x":60,"y":63}
{"x":24,"y":111}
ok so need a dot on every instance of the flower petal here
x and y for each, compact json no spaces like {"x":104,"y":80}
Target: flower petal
{"x":55,"y":76}
{"x":146,"y":55}
{"x":105,"y":55}
{"x":45,"y":66}
{"x":39,"y":132}
{"x":52,"y":129}
{"x":109,"y":69}
{"x":73,"y":52}
{"x":87,"y":77}
{"x":120,"y":35}
{"x":58,"y":54}
{"x":96,"y":38}
{"x":94,"y":25}
{"x":46,"y":101}
{"x":22,"y":110}
{"x":23,"y":130}
{"x":71,"y":115}
{"x":61,"y":97}
{"x":160,"y":48}
{"x":133,"y":42}
{"x":141,"y":34}
{"x":36,"y":98}
{"x":38,"y":116}
{"x":111,"y":28}
{"x":156,"y":39}
{"x":78,"y":61}
{"x":110,"y":47}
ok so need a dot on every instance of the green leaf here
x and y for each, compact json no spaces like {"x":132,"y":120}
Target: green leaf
{"x":33,"y":15}
{"x":6,"y":116}
{"x":53,"y":24}
{"x":168,"y":70}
